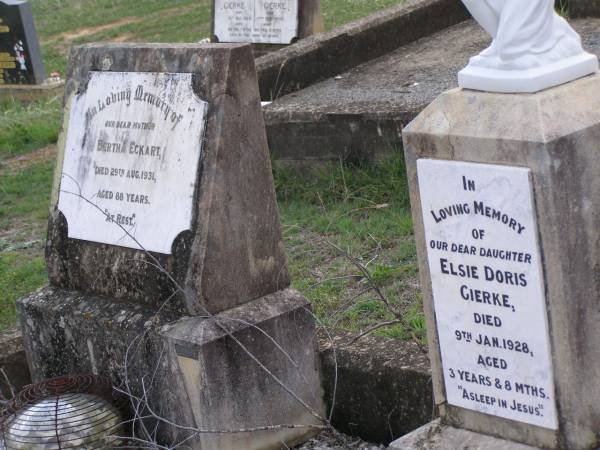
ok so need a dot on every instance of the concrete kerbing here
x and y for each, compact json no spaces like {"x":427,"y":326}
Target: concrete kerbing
{"x":384,"y":385}
{"x":396,"y":400}
{"x":13,"y":361}
{"x":327,"y":54}
{"x":358,"y":116}
{"x":33,"y":92}
{"x":584,"y":8}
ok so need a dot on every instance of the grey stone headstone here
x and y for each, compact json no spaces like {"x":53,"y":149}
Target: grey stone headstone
{"x":20,"y":57}
{"x":227,"y":248}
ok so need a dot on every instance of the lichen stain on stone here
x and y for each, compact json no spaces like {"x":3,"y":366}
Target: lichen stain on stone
{"x":60,"y":156}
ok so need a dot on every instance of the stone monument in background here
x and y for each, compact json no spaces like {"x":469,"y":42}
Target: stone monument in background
{"x":20,"y":57}
{"x":166,"y":267}
{"x":265,"y":23}
{"x":506,"y":199}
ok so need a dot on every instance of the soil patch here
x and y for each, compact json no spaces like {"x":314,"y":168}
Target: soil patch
{"x":86,"y":31}
{"x":21,"y":162}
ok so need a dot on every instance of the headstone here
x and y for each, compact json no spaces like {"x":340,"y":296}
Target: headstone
{"x":265,"y":21}
{"x":164,"y":229}
{"x":20,"y":57}
{"x":505,"y":199}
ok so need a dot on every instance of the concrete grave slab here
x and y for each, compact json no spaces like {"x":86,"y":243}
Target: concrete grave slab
{"x":13,"y":362}
{"x":327,"y":54}
{"x":583,"y":8}
{"x":202,"y":378}
{"x":398,"y":397}
{"x":435,"y":436}
{"x":402,"y":398}
{"x":227,"y":386}
{"x":52,"y":88}
{"x":359,"y":115}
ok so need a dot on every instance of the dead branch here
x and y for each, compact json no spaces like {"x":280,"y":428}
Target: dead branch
{"x":140,"y":404}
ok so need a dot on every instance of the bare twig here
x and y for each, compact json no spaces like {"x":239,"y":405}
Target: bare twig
{"x":373,"y":285}
{"x":375,"y":328}
{"x":141,"y":404}
{"x":8,"y":383}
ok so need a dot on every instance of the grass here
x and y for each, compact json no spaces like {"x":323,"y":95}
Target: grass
{"x":24,"y":198}
{"x":363,"y":211}
{"x":338,"y":12}
{"x":19,"y":275}
{"x":338,"y":215}
{"x":62,"y":23}
{"x":327,"y":216}
{"x":24,"y":127}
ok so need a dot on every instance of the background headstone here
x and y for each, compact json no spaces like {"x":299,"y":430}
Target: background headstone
{"x":20,"y":57}
{"x":265,"y":22}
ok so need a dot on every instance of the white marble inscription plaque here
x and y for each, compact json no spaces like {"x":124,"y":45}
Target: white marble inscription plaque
{"x":132,"y":151}
{"x":488,"y":290}
{"x":256,"y":21}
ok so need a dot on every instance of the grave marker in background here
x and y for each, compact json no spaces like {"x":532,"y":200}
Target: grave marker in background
{"x":20,"y":57}
{"x":265,"y":21}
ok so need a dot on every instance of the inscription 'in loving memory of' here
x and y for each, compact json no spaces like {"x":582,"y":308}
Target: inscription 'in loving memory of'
{"x":131,"y":157}
{"x":486,"y":280}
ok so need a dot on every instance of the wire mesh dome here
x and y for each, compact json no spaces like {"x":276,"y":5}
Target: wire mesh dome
{"x":63,"y":413}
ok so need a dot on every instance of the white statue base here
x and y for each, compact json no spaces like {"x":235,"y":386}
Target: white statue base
{"x":528,"y":80}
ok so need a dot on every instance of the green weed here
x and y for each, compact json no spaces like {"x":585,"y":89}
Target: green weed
{"x":339,"y":12}
{"x":24,"y":200}
{"x":338,"y":214}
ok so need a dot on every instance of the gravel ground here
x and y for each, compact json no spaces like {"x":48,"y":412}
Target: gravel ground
{"x":325,"y":441}
{"x":329,"y":440}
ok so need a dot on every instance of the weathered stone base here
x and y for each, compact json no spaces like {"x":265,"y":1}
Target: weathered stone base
{"x":435,"y":436}
{"x":198,"y":372}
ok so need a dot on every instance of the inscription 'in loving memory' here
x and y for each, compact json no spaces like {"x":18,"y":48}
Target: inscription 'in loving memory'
{"x":487,"y":289}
